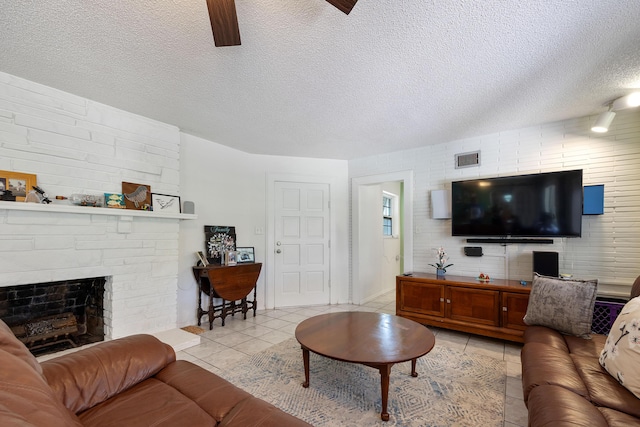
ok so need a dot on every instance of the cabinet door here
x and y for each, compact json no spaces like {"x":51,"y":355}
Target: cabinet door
{"x":478,"y":306}
{"x":514,"y":307}
{"x":423,"y":298}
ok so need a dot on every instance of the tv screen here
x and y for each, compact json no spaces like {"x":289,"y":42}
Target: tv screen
{"x":538,"y":205}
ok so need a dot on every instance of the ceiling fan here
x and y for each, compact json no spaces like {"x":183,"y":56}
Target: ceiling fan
{"x":224,"y":20}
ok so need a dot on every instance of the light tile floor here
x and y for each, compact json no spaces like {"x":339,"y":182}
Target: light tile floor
{"x":222,"y":346}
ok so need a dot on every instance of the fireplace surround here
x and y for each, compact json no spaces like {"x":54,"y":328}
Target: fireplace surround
{"x":138,"y":251}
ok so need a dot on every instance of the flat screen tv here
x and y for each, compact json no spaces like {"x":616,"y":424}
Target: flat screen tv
{"x":538,"y":205}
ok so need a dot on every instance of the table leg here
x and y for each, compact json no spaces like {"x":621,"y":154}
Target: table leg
{"x":385,"y":370}
{"x":244,"y":307}
{"x":211,"y":310}
{"x":305,"y":360}
{"x":254,"y":300}
{"x":199,"y":311}
{"x":224,"y":311}
{"x":413,"y":368}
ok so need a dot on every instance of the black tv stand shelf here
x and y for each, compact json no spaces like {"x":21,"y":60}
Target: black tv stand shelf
{"x":506,"y":240}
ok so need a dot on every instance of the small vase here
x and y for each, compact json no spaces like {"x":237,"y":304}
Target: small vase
{"x":440,"y":272}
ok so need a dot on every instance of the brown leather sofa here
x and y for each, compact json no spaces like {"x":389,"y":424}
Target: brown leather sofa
{"x":564,"y":384}
{"x":132,"y":381}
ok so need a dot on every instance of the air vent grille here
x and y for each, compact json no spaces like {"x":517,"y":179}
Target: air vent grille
{"x":465,"y":160}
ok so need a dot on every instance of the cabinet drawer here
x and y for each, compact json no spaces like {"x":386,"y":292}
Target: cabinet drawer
{"x":479,"y":306}
{"x":423,"y":298}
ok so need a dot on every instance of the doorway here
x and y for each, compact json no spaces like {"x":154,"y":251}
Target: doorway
{"x":368,"y":253}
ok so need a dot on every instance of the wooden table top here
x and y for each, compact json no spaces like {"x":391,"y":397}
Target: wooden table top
{"x":364,"y":337}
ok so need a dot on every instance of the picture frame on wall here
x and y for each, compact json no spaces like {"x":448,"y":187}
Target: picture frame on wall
{"x":245,"y":255}
{"x":165,"y":203}
{"x":18,"y":183}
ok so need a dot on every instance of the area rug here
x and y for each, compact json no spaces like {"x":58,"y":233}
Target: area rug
{"x":452,"y":388}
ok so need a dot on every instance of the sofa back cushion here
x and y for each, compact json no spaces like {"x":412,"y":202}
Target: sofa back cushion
{"x":621,"y":353}
{"x":93,"y":375}
{"x":563,"y":305}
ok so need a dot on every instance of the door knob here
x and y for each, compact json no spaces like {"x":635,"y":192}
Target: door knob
{"x":278,"y":251}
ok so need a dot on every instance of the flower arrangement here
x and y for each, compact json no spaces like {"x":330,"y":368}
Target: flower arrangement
{"x":442,"y":259}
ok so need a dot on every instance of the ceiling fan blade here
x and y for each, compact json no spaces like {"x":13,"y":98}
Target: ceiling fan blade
{"x":344,"y":5}
{"x":224,"y":22}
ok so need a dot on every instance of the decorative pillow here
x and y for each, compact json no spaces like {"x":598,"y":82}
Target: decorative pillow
{"x":562,"y":304}
{"x":621,"y":353}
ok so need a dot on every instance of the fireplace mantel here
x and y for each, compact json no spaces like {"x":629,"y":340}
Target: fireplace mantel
{"x":38,"y":207}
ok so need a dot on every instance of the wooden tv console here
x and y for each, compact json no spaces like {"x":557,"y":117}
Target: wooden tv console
{"x":493,"y":309}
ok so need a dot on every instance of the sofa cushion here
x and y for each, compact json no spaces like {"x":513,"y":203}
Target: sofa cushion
{"x":26,"y":399}
{"x":564,"y":305}
{"x":603,"y":389}
{"x":554,"y":406}
{"x":544,"y":365}
{"x":544,"y":335}
{"x":581,"y":347}
{"x":92,"y":375}
{"x":619,"y":419}
{"x":621,"y":353}
{"x":11,"y":344}
{"x":148,"y":403}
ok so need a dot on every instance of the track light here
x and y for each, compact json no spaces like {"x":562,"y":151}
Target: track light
{"x":603,"y":122}
{"x":629,"y":101}
{"x":604,"y":119}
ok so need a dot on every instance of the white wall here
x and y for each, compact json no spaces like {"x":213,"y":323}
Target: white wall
{"x":608,"y":249}
{"x":229,"y":187}
{"x":75,"y":145}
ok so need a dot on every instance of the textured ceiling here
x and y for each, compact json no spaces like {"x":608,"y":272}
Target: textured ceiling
{"x":311,"y":81}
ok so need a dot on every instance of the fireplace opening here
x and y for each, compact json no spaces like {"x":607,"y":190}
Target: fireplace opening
{"x":55,"y":316}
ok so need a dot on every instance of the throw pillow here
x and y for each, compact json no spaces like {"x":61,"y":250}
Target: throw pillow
{"x":621,"y":353}
{"x":562,"y":304}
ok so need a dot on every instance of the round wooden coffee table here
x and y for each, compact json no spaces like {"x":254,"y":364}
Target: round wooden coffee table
{"x":372,"y":339}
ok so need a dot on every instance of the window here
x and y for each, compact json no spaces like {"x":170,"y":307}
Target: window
{"x":387,"y":216}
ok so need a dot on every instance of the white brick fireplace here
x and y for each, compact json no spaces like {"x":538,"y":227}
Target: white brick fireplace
{"x":75,"y":145}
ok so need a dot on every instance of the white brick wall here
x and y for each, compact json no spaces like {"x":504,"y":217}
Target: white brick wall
{"x":608,"y":249}
{"x":74,"y":145}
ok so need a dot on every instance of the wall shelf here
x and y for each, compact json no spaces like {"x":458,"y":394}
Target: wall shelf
{"x":86,"y":210}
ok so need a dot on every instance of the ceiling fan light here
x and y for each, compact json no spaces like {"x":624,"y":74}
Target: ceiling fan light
{"x":603,"y":122}
{"x":628,"y":101}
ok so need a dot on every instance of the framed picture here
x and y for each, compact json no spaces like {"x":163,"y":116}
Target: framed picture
{"x":231,"y":258}
{"x":165,"y":203}
{"x":136,"y":196}
{"x":217,"y":240}
{"x":114,"y":200}
{"x":202,"y":258}
{"x":245,"y":255}
{"x":18,"y":183}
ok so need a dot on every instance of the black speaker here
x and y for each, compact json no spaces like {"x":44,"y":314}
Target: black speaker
{"x":473,"y":250}
{"x":546,"y":263}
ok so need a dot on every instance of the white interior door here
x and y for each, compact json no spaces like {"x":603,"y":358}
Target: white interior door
{"x":301,"y":234}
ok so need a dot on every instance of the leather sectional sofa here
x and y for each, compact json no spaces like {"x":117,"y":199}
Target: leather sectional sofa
{"x":564,"y":384}
{"x":132,"y":381}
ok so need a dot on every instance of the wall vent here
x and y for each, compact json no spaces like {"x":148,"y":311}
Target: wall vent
{"x":465,"y":160}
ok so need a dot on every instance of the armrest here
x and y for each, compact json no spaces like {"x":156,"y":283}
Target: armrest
{"x":90,"y":376}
